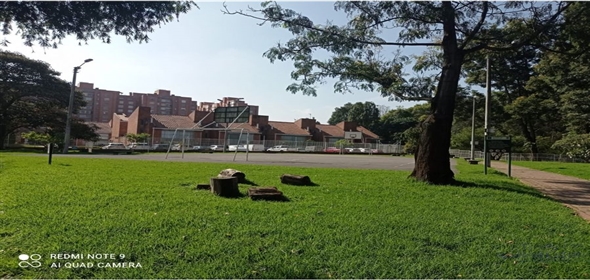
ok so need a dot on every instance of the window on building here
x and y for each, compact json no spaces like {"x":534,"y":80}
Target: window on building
{"x":183,"y":101}
{"x":121,"y":101}
{"x":232,"y":138}
{"x":130,"y":106}
{"x":293,"y":138}
{"x":106,"y":99}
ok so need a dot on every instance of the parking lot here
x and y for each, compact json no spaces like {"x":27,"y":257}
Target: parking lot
{"x":283,"y":159}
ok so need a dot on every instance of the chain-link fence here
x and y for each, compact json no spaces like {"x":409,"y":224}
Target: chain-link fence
{"x":518,"y":156}
{"x":295,"y":146}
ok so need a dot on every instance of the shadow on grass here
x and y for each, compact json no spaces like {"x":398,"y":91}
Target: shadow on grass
{"x":311,"y":184}
{"x":248,"y":182}
{"x":277,"y":199}
{"x":503,"y":186}
{"x":64,"y":164}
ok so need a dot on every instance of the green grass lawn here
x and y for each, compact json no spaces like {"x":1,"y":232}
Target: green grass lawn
{"x":579,"y":170}
{"x":355,"y":224}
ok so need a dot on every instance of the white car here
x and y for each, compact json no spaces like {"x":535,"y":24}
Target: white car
{"x":139,"y":146}
{"x":114,"y":146}
{"x":216,"y":148}
{"x":279,"y":148}
{"x":240,"y":148}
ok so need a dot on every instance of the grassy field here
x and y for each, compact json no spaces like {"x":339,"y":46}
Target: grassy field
{"x":579,"y":170}
{"x":354,"y":224}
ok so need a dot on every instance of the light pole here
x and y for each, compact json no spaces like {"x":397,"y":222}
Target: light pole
{"x":487,"y":113}
{"x":473,"y":130}
{"x":71,"y":107}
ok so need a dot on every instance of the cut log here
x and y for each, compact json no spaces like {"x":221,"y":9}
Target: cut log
{"x":233,"y":173}
{"x":203,"y":187}
{"x":225,"y":186}
{"x":266,"y":193}
{"x":298,"y":180}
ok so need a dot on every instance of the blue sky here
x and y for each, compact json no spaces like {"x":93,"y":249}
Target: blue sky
{"x":207,"y":55}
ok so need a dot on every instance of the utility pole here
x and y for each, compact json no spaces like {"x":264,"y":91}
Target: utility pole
{"x":71,"y":108}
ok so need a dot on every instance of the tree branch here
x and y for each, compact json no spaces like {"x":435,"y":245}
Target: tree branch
{"x":477,"y":27}
{"x":548,"y":24}
{"x":356,"y":40}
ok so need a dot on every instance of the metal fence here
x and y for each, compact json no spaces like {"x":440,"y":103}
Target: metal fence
{"x":518,"y":156}
{"x":302,"y":146}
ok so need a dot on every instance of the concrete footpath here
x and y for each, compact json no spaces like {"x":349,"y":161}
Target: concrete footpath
{"x":572,"y":192}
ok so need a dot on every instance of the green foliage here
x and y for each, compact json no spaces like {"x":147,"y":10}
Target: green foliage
{"x":36,"y":138}
{"x":31,"y":94}
{"x":138,"y":138}
{"x":47,"y":23}
{"x":355,"y":224}
{"x":343,"y":143}
{"x":575,"y":146}
{"x":364,"y":114}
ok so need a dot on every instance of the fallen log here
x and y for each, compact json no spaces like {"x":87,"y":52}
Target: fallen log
{"x":298,"y":180}
{"x":233,"y":173}
{"x":225,"y":186}
{"x":266,"y":193}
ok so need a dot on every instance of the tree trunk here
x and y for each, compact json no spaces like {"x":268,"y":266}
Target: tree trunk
{"x":3,"y":135}
{"x":432,"y":162}
{"x":531,"y":137}
{"x":225,"y":186}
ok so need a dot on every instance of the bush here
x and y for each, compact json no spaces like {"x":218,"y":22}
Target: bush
{"x":574,"y":146}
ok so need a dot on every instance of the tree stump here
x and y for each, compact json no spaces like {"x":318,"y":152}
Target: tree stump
{"x":298,"y":180}
{"x":233,"y":173}
{"x":266,"y":193}
{"x":225,"y":186}
{"x":203,"y":187}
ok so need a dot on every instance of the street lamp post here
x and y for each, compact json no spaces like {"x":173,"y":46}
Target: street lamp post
{"x":71,"y":107}
{"x":473,"y":130}
{"x":486,"y":128}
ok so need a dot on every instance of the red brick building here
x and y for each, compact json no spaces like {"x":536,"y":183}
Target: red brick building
{"x":102,"y":104}
{"x":199,"y":128}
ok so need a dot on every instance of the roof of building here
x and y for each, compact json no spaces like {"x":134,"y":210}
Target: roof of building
{"x":171,"y":121}
{"x":367,"y":132}
{"x":247,"y":127}
{"x":287,"y":128}
{"x":103,"y":128}
{"x":122,"y":117}
{"x":330,"y":130}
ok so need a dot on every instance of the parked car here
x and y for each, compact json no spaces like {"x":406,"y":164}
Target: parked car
{"x":114,"y":146}
{"x":352,"y":150}
{"x":176,"y":147}
{"x":200,"y":148}
{"x":160,"y":147}
{"x":216,"y":148}
{"x":279,"y":148}
{"x":332,"y":150}
{"x":139,"y":146}
{"x":239,"y":148}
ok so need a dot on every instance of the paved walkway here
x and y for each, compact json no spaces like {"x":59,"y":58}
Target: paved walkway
{"x":571,"y":191}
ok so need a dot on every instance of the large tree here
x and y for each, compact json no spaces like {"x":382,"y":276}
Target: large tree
{"x":460,"y":29}
{"x":32,"y":95}
{"x":47,"y":23}
{"x":365,"y":114}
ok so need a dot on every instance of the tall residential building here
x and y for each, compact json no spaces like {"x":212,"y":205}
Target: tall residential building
{"x":227,"y":102}
{"x":101,"y":104}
